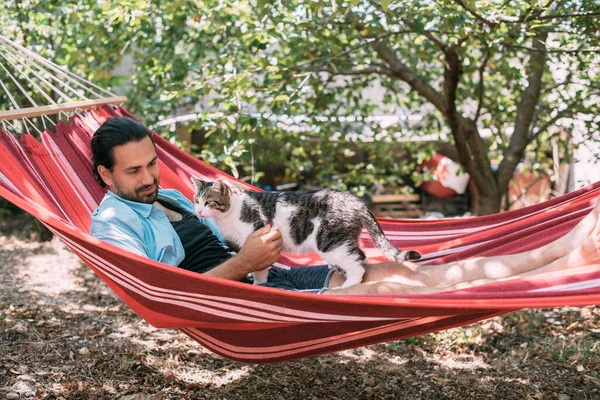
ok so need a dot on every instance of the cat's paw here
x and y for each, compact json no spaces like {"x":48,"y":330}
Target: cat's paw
{"x":352,"y":279}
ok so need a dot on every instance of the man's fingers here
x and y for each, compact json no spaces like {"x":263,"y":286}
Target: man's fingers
{"x":261,"y":231}
{"x":272,"y":236}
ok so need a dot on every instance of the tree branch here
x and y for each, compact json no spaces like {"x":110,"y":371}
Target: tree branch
{"x":567,"y":80}
{"x":546,"y":50}
{"x":352,"y":49}
{"x":526,"y":108}
{"x":574,"y":15}
{"x":561,"y":114}
{"x":354,"y":72}
{"x":471,"y":149}
{"x":476,"y":15}
{"x":399,"y":69}
{"x":318,"y":100}
{"x":494,"y":24}
{"x":481,"y":86}
{"x":428,"y":35}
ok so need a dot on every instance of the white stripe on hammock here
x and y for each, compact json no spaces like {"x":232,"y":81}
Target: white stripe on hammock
{"x":10,"y":185}
{"x":83,"y":195}
{"x":276,"y":351}
{"x":581,"y":285}
{"x":155,"y":292}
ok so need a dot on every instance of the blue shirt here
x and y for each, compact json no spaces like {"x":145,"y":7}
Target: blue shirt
{"x":143,"y":228}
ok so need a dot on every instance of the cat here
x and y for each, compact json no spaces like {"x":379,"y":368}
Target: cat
{"x":326,"y":221}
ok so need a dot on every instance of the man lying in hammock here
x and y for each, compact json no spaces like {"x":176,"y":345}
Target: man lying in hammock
{"x":162,"y":224}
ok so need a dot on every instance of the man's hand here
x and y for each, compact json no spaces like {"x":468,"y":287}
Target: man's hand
{"x":262,"y":248}
{"x":260,"y":251}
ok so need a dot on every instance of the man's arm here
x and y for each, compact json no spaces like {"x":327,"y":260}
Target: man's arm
{"x":261,"y":250}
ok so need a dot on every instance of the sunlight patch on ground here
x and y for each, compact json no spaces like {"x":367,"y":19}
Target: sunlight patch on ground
{"x":362,"y":354}
{"x":51,"y":271}
{"x":464,"y":364}
{"x":193,"y":374}
{"x":397,"y":360}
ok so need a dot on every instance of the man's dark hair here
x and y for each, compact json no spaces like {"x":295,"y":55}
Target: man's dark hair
{"x":116,"y":131}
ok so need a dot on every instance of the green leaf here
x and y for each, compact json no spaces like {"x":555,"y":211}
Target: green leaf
{"x":385,"y":4}
{"x":419,"y":26}
{"x":262,"y":6}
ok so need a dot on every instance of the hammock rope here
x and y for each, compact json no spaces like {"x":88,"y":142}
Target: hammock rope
{"x":22,"y":53}
{"x":50,"y":177}
{"x":59,"y":89}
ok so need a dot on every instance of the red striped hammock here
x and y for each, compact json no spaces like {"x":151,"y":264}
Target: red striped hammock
{"x":52,"y":180}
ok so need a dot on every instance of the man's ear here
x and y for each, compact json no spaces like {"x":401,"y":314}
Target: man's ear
{"x":105,"y":175}
{"x":196,"y":182}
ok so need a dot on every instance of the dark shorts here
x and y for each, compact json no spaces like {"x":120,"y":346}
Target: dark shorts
{"x":313,"y":279}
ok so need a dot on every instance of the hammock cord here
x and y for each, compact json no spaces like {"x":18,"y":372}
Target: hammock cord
{"x":41,"y":78}
{"x":25,"y":59}
{"x":25,"y":119}
{"x":8,"y":94}
{"x":70,"y":76}
{"x":20,"y":88}
{"x":34,"y":85}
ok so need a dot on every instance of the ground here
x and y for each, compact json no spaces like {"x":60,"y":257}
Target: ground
{"x":65,"y":335}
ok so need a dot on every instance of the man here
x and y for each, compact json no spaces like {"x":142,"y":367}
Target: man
{"x":161,"y":224}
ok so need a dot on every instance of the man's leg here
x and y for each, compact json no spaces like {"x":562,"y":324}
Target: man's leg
{"x":581,"y":241}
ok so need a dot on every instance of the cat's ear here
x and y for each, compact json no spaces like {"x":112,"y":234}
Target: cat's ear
{"x":197,"y":182}
{"x":220,"y":186}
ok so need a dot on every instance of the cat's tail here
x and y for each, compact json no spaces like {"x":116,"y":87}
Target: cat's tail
{"x":382,"y":243}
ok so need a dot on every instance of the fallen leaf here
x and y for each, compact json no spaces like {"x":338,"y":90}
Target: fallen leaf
{"x":18,"y":327}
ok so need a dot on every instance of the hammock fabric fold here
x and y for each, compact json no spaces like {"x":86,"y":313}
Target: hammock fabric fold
{"x":52,"y":180}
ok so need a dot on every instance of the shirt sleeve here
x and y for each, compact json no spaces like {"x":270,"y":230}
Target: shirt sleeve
{"x":119,"y":234}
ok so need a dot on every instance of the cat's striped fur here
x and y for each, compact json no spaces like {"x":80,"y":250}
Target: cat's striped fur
{"x":326,"y":221}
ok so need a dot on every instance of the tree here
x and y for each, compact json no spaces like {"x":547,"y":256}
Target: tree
{"x":519,"y":72}
{"x":499,"y":80}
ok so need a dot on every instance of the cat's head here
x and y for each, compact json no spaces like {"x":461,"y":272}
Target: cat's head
{"x":211,"y":199}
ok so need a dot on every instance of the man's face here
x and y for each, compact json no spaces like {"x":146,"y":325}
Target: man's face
{"x":135,"y":175}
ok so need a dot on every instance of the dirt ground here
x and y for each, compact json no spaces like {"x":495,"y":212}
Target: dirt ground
{"x":65,"y":335}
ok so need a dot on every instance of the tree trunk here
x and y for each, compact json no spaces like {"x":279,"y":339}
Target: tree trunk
{"x":487,"y":205}
{"x":472,"y":150}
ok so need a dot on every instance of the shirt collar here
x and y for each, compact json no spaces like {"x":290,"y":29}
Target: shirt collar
{"x":144,"y":209}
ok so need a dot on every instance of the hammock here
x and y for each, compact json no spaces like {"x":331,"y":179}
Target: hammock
{"x":51,"y":179}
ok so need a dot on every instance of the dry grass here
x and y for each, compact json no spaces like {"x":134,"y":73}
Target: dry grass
{"x":63,"y":334}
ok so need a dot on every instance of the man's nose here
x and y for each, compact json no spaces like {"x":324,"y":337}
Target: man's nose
{"x":148,"y":179}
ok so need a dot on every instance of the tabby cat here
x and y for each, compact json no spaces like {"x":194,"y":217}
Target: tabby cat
{"x":326,"y":221}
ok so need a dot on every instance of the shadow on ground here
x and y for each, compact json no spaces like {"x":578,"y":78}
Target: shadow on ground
{"x":65,"y":335}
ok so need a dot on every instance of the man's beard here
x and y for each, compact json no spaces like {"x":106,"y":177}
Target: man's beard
{"x":136,"y":194}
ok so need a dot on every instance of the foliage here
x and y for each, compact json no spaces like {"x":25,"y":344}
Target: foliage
{"x":286,"y":81}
